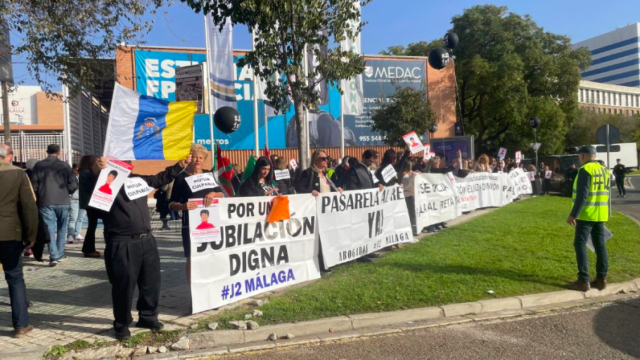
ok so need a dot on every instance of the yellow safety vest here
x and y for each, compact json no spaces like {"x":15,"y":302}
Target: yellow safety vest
{"x":596,"y":207}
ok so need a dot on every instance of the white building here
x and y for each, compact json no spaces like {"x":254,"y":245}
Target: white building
{"x":615,"y":57}
{"x":23,"y":108}
{"x":609,"y":99}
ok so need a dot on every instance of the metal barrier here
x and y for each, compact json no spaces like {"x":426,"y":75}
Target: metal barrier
{"x":34,"y":146}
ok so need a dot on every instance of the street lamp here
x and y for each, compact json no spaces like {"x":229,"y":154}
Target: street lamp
{"x":535,"y":123}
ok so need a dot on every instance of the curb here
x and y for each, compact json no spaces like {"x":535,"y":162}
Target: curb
{"x":364,"y":325}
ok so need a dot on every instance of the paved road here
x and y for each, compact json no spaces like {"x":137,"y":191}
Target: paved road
{"x":600,"y":332}
{"x":629,"y":205}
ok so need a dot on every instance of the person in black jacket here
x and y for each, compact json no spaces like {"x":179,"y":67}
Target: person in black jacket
{"x":390,"y":158}
{"x":285,"y":185}
{"x":131,"y":255}
{"x":261,"y":181}
{"x":314,"y":180}
{"x":360,"y":176}
{"x":88,"y":178}
{"x":341,"y":174}
{"x":53,"y":181}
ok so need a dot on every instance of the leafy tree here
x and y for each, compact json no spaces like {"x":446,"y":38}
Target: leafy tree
{"x":62,"y":41}
{"x":508,"y":70}
{"x":284,"y":29}
{"x":421,"y":48}
{"x":584,"y":128}
{"x":406,"y":110}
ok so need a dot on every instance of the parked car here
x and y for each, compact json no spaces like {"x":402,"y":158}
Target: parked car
{"x":560,"y":165}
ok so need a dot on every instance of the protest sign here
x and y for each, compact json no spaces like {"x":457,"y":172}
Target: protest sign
{"x":518,"y":157}
{"x":502,"y":153}
{"x":207,"y":228}
{"x":388,"y":173}
{"x":136,"y":187}
{"x":282,"y":174}
{"x":373,"y":175}
{"x":294,"y":164}
{"x":482,"y":190}
{"x":360,"y":222}
{"x":435,"y":199}
{"x":110,"y":180}
{"x":253,"y":256}
{"x":532,"y":176}
{"x":202,"y":181}
{"x":413,"y":141}
{"x":548,"y":174}
{"x":427,"y":151}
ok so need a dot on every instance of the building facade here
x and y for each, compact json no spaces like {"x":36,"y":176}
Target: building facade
{"x":615,"y":57}
{"x":609,"y":99}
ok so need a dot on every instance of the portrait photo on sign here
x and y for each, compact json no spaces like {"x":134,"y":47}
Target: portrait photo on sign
{"x":204,"y":223}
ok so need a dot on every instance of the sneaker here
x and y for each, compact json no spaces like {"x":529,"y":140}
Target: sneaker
{"x":69,"y":239}
{"x":123,"y":334}
{"x":22,"y":332}
{"x":153,"y":326}
{"x":63,"y":258}
{"x":579,"y":285}
{"x":599,"y":283}
{"x":53,"y":263}
{"x":80,"y":238}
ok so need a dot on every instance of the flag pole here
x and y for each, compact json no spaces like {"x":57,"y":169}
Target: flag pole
{"x":209,"y":97}
{"x":266,"y":126}
{"x":342,"y":126}
{"x":306,"y":107}
{"x":256,"y":127}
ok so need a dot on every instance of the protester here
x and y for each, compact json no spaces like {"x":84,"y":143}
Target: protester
{"x":535,"y":183}
{"x":53,"y":181}
{"x":360,"y":176}
{"x":18,"y":229}
{"x":501,"y":167}
{"x":87,"y":178}
{"x":390,"y":158}
{"x":483,"y":164}
{"x":131,"y":255}
{"x":76,"y":214}
{"x":181,"y":193}
{"x":546,"y":183}
{"x":618,"y":172}
{"x":589,"y":214}
{"x":493,"y":164}
{"x":314,"y":180}
{"x":285,"y":186}
{"x":341,"y":173}
{"x":408,"y":182}
{"x":261,"y":181}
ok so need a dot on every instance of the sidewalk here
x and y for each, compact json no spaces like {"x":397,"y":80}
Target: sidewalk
{"x":72,"y":301}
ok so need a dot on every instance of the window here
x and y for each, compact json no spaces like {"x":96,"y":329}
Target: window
{"x":580,"y":95}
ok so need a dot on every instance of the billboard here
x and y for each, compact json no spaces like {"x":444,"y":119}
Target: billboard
{"x":190,"y":85}
{"x":156,"y":76}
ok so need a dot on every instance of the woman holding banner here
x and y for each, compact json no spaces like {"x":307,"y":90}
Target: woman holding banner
{"x":261,"y":181}
{"x":390,"y":158}
{"x":182,"y":193}
{"x":483,"y":164}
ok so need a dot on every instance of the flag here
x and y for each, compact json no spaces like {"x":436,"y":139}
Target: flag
{"x":266,"y":153}
{"x":320,"y":88}
{"x":225,"y":173}
{"x":145,"y":128}
{"x":352,"y":88}
{"x":248,"y":169}
{"x":220,"y":63}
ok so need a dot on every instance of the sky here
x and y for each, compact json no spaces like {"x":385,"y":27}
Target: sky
{"x":400,"y":22}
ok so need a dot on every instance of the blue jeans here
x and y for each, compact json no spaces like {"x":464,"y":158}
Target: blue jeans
{"x":11,"y":259}
{"x":56,"y":218}
{"x":76,"y":218}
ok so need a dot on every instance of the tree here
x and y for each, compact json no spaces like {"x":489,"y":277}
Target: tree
{"x":284,"y":29}
{"x":584,"y":129}
{"x":406,"y":110}
{"x":421,"y":48}
{"x":63,"y":41}
{"x":508,"y":70}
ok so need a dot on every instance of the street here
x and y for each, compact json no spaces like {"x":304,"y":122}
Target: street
{"x":606,"y":331}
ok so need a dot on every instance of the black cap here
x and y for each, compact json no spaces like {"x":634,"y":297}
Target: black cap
{"x":587,"y":150}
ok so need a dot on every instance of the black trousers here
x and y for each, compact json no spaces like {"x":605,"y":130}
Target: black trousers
{"x":89,"y":245}
{"x":131,"y":262}
{"x":620,"y":184}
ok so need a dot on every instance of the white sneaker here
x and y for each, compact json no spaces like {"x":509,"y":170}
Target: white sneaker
{"x":80,"y":238}
{"x":69,"y":239}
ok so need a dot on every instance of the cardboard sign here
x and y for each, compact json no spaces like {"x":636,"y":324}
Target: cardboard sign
{"x":413,"y":141}
{"x":427,"y":150}
{"x":110,"y":181}
{"x":532,"y":176}
{"x":294,"y":164}
{"x":136,"y":188}
{"x":282,"y":174}
{"x":548,"y":174}
{"x":204,"y":223}
{"x":502,"y":153}
{"x":389,"y":173}
{"x":202,"y":181}
{"x":518,"y":157}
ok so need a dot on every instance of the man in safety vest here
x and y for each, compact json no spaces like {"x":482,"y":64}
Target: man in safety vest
{"x":589,"y":213}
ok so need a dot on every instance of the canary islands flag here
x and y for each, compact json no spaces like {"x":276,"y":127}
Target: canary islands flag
{"x":145,"y":128}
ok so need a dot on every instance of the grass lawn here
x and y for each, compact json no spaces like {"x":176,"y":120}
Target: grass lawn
{"x":523,"y":248}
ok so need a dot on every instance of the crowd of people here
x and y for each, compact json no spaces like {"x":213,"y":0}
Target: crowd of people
{"x":48,"y":203}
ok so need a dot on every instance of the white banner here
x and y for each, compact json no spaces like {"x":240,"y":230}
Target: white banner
{"x":357,"y":223}
{"x":435,"y":199}
{"x":520,"y":182}
{"x":352,"y":103}
{"x":253,"y":256}
{"x":110,"y":180}
{"x":481,"y":190}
